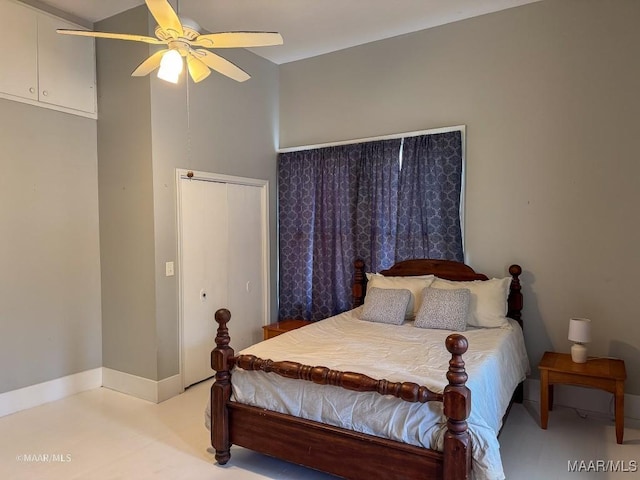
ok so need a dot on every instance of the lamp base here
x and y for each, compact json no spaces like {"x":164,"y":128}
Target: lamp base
{"x":579,"y":353}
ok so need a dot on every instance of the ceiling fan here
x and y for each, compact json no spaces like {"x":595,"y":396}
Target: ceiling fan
{"x":184,"y":40}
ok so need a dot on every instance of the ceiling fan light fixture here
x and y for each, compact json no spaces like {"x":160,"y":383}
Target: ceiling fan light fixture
{"x":183,"y":39}
{"x":171,"y":66}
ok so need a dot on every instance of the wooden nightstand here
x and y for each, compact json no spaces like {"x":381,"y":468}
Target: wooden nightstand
{"x":604,"y":373}
{"x":278,"y":328}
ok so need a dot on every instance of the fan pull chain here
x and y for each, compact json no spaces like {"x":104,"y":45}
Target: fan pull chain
{"x":188,"y":124}
{"x":190,"y":175}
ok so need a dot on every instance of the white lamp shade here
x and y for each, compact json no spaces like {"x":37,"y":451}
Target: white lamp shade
{"x":170,"y":66}
{"x":580,"y":330}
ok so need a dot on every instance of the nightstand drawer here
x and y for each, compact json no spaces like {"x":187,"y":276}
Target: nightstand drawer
{"x":278,"y":328}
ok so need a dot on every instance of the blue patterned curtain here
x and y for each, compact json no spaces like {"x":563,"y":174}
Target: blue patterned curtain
{"x":333,"y":202}
{"x":340,"y":203}
{"x":429,"y":198}
{"x":377,"y":206}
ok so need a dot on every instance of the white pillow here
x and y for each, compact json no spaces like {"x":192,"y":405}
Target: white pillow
{"x":488,"y":305}
{"x":445,"y":309}
{"x":414,"y":284}
{"x":386,"y":305}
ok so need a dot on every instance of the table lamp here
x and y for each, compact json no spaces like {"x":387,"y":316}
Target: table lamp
{"x":579,"y":333}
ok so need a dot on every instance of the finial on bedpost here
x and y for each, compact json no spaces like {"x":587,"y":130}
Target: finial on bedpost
{"x":515,"y":295}
{"x":222,"y":316}
{"x":221,"y":358}
{"x":457,"y":406}
{"x":359,"y":283}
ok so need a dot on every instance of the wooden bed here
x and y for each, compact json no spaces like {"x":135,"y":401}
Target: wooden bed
{"x":335,"y":450}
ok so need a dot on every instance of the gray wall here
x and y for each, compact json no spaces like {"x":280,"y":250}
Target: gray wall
{"x":147,"y":129}
{"x":126,"y":201}
{"x":49,"y":247}
{"x":548,"y":92}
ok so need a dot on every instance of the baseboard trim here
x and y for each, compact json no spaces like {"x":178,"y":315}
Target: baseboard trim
{"x":58,"y":388}
{"x":50,"y":391}
{"x":588,"y":399}
{"x":169,"y":387}
{"x":139,"y":387}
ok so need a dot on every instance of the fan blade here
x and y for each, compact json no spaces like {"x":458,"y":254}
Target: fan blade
{"x":166,"y":17}
{"x":150,"y":64}
{"x":116,"y":36}
{"x":238,"y":39}
{"x":221,"y":65}
{"x":197,"y":69}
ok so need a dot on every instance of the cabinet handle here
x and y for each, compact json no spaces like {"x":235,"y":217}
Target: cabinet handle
{"x":45,"y":93}
{"x":32,"y":90}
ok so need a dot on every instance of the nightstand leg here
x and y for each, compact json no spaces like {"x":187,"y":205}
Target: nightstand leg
{"x":619,"y":410}
{"x":544,"y":399}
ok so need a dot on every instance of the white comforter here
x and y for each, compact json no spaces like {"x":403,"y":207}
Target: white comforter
{"x":495,"y":362}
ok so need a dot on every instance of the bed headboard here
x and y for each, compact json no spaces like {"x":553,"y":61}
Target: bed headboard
{"x":446,"y":269}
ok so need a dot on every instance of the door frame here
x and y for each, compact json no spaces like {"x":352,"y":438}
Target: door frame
{"x":191,"y":175}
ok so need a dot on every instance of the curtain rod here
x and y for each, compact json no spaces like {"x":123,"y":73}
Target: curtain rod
{"x":374,"y":139}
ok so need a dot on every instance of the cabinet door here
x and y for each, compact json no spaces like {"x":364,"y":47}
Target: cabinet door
{"x":18,"y":55}
{"x":66,"y":66}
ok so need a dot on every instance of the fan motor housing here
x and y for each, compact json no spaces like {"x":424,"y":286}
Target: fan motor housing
{"x":181,"y":46}
{"x":191,"y":32}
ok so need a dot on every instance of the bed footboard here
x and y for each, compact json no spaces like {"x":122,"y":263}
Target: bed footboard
{"x":268,"y":432}
{"x":407,"y":391}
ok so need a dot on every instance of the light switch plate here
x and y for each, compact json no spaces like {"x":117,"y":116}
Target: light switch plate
{"x":169,"y":269}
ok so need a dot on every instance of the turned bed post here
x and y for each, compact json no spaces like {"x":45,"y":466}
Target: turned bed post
{"x":359,"y":283}
{"x":221,"y":389}
{"x":457,"y":406}
{"x":514,"y":301}
{"x":514,"y":311}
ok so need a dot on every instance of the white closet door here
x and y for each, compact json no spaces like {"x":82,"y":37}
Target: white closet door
{"x":246,"y":260}
{"x":204,"y":272}
{"x":223,"y":265}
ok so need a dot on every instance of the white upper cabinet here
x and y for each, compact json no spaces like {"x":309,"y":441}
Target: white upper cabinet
{"x":19,"y":52}
{"x":66,"y":65}
{"x":41,"y":67}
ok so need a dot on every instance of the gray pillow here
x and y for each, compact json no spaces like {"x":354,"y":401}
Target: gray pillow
{"x":444,"y":309}
{"x":386,"y":305}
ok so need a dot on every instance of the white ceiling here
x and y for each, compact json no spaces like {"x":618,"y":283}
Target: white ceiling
{"x":309,"y":27}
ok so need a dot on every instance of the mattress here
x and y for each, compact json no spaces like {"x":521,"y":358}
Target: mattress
{"x":496,"y":362}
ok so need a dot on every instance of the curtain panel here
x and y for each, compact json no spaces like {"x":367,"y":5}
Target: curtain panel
{"x":429,"y":198}
{"x":340,"y":203}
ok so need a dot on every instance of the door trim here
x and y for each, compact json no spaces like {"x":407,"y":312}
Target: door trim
{"x":183,"y":175}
